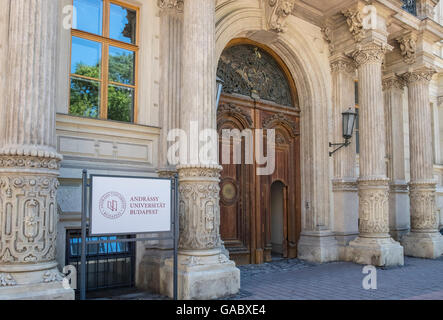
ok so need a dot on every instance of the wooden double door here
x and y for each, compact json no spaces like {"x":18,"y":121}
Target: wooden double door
{"x":260,"y":214}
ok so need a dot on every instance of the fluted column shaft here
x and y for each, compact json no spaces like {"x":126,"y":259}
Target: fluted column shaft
{"x":171,"y":29}
{"x":30,"y":117}
{"x":373,"y":183}
{"x":422,"y":185}
{"x":199,"y":181}
{"x":344,"y":183}
{"x":374,"y":245}
{"x":393,"y":88}
{"x":424,"y":240}
{"x":343,"y":71}
{"x":29,"y":162}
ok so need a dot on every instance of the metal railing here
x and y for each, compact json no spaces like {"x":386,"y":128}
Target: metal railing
{"x":410,"y":6}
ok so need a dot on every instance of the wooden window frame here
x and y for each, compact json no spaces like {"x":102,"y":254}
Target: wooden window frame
{"x":105,"y":42}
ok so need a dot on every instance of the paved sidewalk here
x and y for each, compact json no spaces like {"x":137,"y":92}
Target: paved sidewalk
{"x":298,"y":280}
{"x":418,"y":279}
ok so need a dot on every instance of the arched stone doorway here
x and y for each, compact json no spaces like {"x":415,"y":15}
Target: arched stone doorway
{"x":305,"y":54}
{"x":258,"y":94}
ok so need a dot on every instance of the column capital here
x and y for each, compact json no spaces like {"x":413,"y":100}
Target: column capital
{"x":371,"y":52}
{"x":343,"y":64}
{"x":393,"y":82}
{"x":171,"y":5}
{"x":418,"y":75}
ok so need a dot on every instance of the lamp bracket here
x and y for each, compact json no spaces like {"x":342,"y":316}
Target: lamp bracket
{"x":341,"y":145}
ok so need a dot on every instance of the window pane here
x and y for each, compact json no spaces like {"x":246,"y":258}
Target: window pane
{"x":85,"y":98}
{"x":86,"y":57}
{"x":122,"y":24}
{"x":120,"y":103}
{"x":121,"y":65}
{"x":89,"y":16}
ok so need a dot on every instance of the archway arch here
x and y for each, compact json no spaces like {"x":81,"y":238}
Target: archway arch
{"x":309,"y":69}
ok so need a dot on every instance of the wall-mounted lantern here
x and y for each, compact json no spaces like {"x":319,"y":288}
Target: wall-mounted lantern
{"x":348,"y":118}
{"x":220,"y":83}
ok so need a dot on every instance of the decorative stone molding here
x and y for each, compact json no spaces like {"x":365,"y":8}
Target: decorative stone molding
{"x":355,"y":23}
{"x":176,"y":5}
{"x":421,"y":74}
{"x":280,"y":10}
{"x":408,"y":47}
{"x":52,"y":276}
{"x":393,"y":82}
{"x":326,"y":31}
{"x":28,"y":162}
{"x":343,"y":65}
{"x":373,"y":206}
{"x":30,"y":217}
{"x":344,"y":185}
{"x":370,"y":53}
{"x":199,"y":207}
{"x":280,"y":118}
{"x":424,"y":216}
{"x":7,"y":280}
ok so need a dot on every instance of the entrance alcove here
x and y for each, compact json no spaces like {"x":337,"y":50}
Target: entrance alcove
{"x":278,"y":223}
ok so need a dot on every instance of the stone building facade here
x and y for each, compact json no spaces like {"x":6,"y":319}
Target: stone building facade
{"x":371,"y":205}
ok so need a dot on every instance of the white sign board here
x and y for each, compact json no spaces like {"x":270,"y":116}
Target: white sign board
{"x":129,"y":205}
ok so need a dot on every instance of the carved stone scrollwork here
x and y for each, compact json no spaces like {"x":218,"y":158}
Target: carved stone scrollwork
{"x":327,"y":37}
{"x":29,"y":218}
{"x":421,"y":74}
{"x":280,"y":118}
{"x":29,"y":162}
{"x":343,"y":65}
{"x":199,"y":207}
{"x":393,"y":82}
{"x":280,"y":10}
{"x":424,"y":216}
{"x":355,"y":24}
{"x":52,"y":276}
{"x":373,"y":207}
{"x":408,"y":47}
{"x":176,"y":5}
{"x":6,"y":280}
{"x":370,"y":53}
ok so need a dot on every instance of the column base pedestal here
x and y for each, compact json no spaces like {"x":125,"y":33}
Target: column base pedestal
{"x":150,"y":268}
{"x":202,"y":275}
{"x":318,"y":247}
{"x":38,"y":291}
{"x":379,"y":252}
{"x":423,"y":245}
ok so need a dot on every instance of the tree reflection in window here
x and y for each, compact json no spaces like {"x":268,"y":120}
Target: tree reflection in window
{"x":103,"y":64}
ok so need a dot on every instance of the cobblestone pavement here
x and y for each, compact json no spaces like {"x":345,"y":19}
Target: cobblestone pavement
{"x":418,"y":279}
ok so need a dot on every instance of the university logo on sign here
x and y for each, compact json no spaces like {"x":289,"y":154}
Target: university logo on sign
{"x":112,"y":205}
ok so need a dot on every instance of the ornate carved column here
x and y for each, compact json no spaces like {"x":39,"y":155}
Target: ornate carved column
{"x":424,"y":240}
{"x":171,"y":33}
{"x":29,"y":162}
{"x":204,"y":271}
{"x":393,"y":88}
{"x":374,"y":244}
{"x":344,"y":183}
